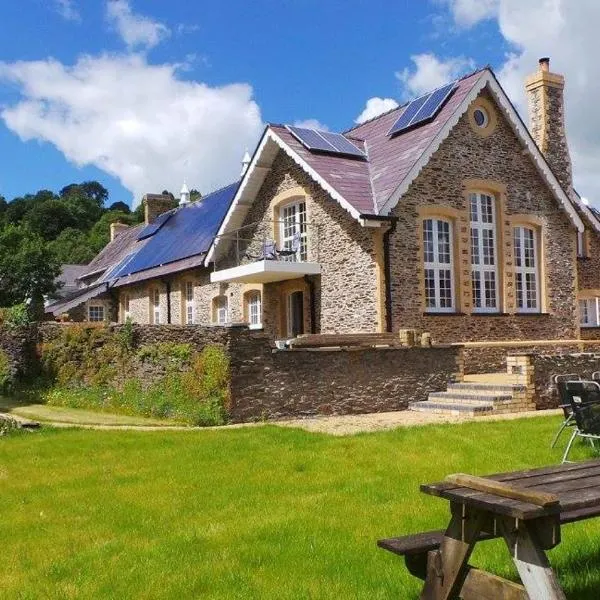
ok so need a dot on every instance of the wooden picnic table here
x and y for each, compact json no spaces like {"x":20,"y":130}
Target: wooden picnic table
{"x":525,"y":508}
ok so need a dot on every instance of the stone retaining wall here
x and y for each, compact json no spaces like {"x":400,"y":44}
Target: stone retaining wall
{"x":19,"y":344}
{"x":275,"y":384}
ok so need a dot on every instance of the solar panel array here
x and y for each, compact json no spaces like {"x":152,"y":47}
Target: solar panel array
{"x":153,"y":227}
{"x":325,"y":141}
{"x":189,"y":231}
{"x":422,"y":109}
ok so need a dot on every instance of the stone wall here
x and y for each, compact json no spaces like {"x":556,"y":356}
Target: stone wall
{"x":495,"y":163}
{"x":268,"y":383}
{"x":547,"y":365}
{"x":491,"y":357}
{"x":275,"y":384}
{"x":19,"y":345}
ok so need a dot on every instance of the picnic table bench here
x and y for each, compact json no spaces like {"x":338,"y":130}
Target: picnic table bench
{"x":525,"y":508}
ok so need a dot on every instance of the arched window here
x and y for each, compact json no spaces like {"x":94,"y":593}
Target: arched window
{"x":484,"y":269}
{"x":438,"y":265}
{"x":527,"y":285}
{"x":293,"y":230}
{"x":254,"y":309}
{"x":220,"y":310}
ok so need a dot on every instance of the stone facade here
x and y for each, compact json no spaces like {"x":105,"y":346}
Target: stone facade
{"x":347,"y":297}
{"x":493,"y":164}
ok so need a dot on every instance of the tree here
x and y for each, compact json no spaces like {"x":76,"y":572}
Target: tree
{"x":27,"y":269}
{"x":195,"y":195}
{"x":72,"y":246}
{"x":120,"y":206}
{"x":49,"y":218}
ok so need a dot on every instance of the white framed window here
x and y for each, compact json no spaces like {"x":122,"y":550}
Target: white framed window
{"x":126,"y":307}
{"x":293,"y":230}
{"x":96,"y":312}
{"x":484,"y":270}
{"x":254,"y":309}
{"x":581,"y":244}
{"x":190,"y":305}
{"x":220,"y":310}
{"x":438,"y":265}
{"x":527,"y":285}
{"x":589,"y":312}
{"x":156,"y":307}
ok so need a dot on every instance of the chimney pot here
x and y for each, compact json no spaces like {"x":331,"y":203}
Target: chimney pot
{"x":545,"y":63}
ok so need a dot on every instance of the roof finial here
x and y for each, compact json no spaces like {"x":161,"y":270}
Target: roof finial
{"x":245,"y":162}
{"x":184,"y":195}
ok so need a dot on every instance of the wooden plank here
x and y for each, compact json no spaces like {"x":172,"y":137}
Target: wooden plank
{"x":481,"y":585}
{"x":504,"y":490}
{"x":532,"y":564}
{"x":446,"y":567}
{"x":491,"y":503}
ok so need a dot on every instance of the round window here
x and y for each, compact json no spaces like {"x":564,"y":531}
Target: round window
{"x":481,"y":117}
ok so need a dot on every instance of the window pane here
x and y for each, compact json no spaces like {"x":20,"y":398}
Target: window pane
{"x":474,"y":246}
{"x":490,"y":289}
{"x":443,"y":242}
{"x":476,"y":285}
{"x":428,"y":241}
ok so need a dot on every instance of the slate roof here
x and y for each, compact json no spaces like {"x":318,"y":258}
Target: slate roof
{"x":113,"y":252}
{"x":67,"y":279}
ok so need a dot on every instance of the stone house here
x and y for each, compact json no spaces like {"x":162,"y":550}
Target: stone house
{"x":445,"y":215}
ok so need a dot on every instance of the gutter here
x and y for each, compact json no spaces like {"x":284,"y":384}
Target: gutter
{"x":388,"y":272}
{"x":167,"y":283}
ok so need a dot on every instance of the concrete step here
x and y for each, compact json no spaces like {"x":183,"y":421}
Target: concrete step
{"x":480,"y":398}
{"x":498,"y":378}
{"x":476,"y":388}
{"x":469,"y":410}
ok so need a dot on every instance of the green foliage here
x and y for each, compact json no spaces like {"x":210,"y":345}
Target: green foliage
{"x":126,"y":335}
{"x":18,"y":315}
{"x":71,"y":246}
{"x":90,"y":368}
{"x":27,"y":269}
{"x":5,"y":372}
{"x":169,"y":353}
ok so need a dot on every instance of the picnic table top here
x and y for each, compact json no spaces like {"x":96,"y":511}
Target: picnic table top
{"x":577,"y":487}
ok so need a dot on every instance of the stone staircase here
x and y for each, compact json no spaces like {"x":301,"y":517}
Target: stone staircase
{"x":479,"y":395}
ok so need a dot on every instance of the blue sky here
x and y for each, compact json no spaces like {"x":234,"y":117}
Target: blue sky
{"x":164,"y":71}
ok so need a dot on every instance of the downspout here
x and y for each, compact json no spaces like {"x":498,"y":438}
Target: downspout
{"x":313,"y":309}
{"x":167,"y":283}
{"x":387,"y":268}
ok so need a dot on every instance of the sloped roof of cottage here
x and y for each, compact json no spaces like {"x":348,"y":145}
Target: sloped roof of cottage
{"x":370,"y":186}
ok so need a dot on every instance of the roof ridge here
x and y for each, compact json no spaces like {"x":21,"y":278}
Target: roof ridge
{"x":387,"y":112}
{"x":236,"y":182}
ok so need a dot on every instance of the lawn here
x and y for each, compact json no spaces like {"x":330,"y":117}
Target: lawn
{"x":261,"y":512}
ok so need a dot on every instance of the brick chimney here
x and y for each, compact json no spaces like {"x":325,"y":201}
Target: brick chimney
{"x":155,"y":205}
{"x":547,"y":120}
{"x":117,"y":229}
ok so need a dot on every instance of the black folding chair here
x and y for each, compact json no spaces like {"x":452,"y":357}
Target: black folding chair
{"x":560,"y":383}
{"x":584,"y":397}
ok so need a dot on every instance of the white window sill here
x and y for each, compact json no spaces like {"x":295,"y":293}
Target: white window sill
{"x":256,"y":326}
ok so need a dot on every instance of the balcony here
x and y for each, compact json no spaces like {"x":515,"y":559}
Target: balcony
{"x":256,"y":255}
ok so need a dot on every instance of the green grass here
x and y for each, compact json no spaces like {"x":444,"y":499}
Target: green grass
{"x":63,"y":414}
{"x":262,"y":512}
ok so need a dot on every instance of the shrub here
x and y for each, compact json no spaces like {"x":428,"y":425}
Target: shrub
{"x":5,"y":372}
{"x":18,"y":315}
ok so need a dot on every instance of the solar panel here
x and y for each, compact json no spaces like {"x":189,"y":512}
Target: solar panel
{"x":341,"y":144}
{"x":311,"y":139}
{"x":422,"y":109}
{"x":434,"y":103}
{"x":153,"y":227}
{"x":188,"y":233}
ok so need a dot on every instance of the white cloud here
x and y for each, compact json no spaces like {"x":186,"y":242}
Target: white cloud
{"x":138,"y":122}
{"x":430,"y":72}
{"x":67,"y":10}
{"x":375,"y":106}
{"x":467,"y":13}
{"x":136,"y":30}
{"x":311,"y":124}
{"x":567,"y":32}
